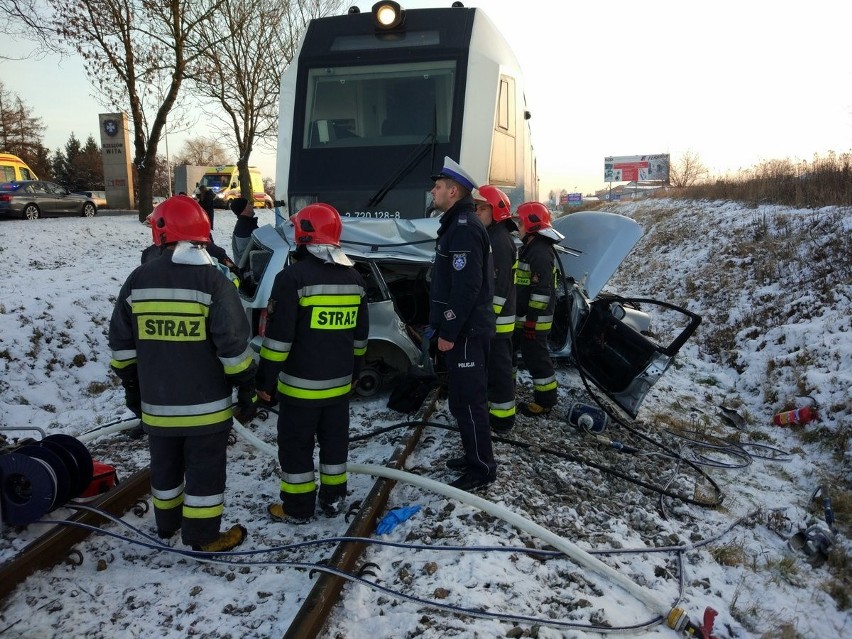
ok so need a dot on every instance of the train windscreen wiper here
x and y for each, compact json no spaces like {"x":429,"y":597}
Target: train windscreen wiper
{"x":423,"y":147}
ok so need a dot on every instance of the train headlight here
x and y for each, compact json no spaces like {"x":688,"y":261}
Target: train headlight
{"x":388,"y":15}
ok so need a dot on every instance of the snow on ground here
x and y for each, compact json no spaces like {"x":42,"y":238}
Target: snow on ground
{"x":774,"y":286}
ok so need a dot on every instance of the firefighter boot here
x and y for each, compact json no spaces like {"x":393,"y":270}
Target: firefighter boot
{"x":531,"y":409}
{"x":226,"y":541}
{"x":276,"y":513}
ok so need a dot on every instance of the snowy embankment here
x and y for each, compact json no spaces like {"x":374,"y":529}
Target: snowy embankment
{"x":774,"y":286}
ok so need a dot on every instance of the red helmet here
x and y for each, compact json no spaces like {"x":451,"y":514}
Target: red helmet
{"x":501,"y":208}
{"x":534,"y":217}
{"x":317,"y":224}
{"x":179,"y":218}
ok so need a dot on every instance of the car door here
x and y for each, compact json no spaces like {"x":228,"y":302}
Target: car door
{"x":50,"y":198}
{"x":622,"y":345}
{"x":42,"y":195}
{"x":65,"y":202}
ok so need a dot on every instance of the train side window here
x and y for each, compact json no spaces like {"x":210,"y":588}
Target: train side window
{"x":503,"y":145}
{"x":503,"y":105}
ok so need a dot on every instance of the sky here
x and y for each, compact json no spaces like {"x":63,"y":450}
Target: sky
{"x":735,"y":82}
{"x":61,"y":277}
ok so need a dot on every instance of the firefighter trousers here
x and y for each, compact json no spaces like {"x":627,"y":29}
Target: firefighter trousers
{"x":299,"y":427}
{"x":188,"y":484}
{"x":467,"y":386}
{"x":501,"y":384}
{"x":538,"y":363}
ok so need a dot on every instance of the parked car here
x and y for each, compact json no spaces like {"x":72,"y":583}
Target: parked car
{"x":98,"y":197}
{"x":31,"y":199}
{"x":607,"y":336}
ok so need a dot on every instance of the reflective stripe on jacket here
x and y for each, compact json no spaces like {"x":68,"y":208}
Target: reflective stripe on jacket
{"x":316,"y":332}
{"x":180,"y":330}
{"x":536,"y":282}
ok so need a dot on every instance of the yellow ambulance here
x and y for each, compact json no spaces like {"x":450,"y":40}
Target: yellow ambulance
{"x":224,"y":181}
{"x":14,"y":168}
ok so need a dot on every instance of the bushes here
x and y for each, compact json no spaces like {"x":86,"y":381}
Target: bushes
{"x":823,"y":182}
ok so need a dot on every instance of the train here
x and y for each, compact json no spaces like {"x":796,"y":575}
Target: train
{"x":372,"y":102}
{"x":370,"y":106}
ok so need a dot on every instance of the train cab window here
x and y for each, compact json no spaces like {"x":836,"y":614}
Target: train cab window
{"x":379,"y":105}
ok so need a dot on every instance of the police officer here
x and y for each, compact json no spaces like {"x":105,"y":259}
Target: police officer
{"x":461,"y":316}
{"x":536,"y":286}
{"x":179,"y":337}
{"x":245,"y":225}
{"x":494,"y":211}
{"x":207,"y":199}
{"x":316,"y":337}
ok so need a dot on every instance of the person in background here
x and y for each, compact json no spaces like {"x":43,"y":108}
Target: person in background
{"x":179,"y":340}
{"x":207,"y":199}
{"x":494,"y":211}
{"x":243,"y":228}
{"x":536,"y":289}
{"x":461,"y":317}
{"x":316,"y":336}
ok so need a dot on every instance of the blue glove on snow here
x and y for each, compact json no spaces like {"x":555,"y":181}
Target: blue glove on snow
{"x":394,"y":518}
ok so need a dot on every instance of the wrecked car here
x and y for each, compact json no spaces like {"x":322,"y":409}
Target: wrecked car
{"x":608,"y":337}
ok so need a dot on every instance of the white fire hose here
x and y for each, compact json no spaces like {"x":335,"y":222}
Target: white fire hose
{"x":579,"y":555}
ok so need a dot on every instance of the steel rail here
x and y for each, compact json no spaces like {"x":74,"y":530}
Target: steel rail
{"x":312,"y":616}
{"x":54,"y":546}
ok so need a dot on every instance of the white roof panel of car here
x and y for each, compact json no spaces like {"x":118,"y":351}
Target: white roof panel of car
{"x":392,"y":239}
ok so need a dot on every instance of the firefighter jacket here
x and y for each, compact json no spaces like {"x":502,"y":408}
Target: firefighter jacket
{"x":505,"y":262}
{"x":180,"y":331}
{"x":462,"y":287}
{"x":536,"y":282}
{"x":316,"y":332}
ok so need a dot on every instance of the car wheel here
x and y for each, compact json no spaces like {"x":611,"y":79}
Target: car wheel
{"x":369,"y":382}
{"x":89,"y":210}
{"x":30,"y":212}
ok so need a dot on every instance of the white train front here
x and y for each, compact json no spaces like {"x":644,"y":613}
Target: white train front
{"x":368,"y":111}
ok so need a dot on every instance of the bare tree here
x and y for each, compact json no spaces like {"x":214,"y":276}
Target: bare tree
{"x":22,"y":21}
{"x":202,"y":152}
{"x":239,"y":66}
{"x":687,"y":171}
{"x":136,"y":53}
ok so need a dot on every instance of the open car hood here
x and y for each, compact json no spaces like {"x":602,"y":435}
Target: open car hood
{"x":595,"y":245}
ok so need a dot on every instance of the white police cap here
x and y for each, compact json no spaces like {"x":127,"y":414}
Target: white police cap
{"x":453,"y":171}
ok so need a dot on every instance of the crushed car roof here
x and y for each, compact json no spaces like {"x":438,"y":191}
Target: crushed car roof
{"x":595,"y":242}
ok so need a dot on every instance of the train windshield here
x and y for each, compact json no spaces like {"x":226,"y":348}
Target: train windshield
{"x":379,"y":105}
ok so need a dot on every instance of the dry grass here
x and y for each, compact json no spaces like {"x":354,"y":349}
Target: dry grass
{"x":825,"y":181}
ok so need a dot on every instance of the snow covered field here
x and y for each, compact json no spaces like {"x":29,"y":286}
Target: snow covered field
{"x":774,"y":286}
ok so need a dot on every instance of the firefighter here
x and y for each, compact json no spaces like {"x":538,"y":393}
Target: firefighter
{"x":179,"y":339}
{"x":316,"y":337}
{"x":494,"y":211}
{"x":536,"y":288}
{"x":461,"y":317}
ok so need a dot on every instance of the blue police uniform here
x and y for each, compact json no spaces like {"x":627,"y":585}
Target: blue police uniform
{"x":461,"y":312}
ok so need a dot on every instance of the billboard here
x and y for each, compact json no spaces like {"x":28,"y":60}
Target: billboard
{"x":575,"y":199}
{"x":629,"y":168}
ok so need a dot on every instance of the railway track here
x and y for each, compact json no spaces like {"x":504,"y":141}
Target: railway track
{"x":55,"y":546}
